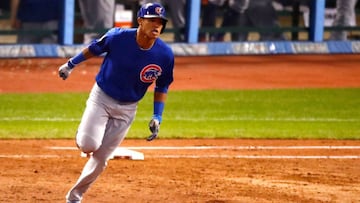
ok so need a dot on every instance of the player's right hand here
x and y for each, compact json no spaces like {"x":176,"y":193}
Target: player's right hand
{"x":64,"y":71}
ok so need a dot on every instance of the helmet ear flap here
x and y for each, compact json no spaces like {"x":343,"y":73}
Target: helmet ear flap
{"x":164,"y":25}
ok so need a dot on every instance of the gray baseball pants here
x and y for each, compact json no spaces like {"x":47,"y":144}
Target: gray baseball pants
{"x":345,"y":16}
{"x":103,"y":127}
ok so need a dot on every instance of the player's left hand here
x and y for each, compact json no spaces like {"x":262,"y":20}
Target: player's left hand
{"x":154,"y":127}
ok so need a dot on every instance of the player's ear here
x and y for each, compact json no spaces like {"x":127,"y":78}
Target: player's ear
{"x":139,"y":20}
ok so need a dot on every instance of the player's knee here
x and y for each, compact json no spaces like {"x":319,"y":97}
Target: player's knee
{"x":87,"y":145}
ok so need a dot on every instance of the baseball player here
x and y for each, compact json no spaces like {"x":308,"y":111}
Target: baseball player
{"x":134,"y":59}
{"x":241,"y":13}
{"x":97,"y":14}
{"x":345,"y":16}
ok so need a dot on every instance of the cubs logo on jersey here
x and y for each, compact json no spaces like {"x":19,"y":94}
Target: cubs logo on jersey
{"x":150,"y":73}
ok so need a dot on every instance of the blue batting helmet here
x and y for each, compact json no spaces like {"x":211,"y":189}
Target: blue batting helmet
{"x":153,"y":10}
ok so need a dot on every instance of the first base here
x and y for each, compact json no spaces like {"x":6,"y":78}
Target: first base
{"x":123,"y":153}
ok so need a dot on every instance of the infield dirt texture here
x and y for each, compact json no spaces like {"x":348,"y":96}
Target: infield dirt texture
{"x":201,"y":170}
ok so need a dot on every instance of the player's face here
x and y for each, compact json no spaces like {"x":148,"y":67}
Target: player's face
{"x":151,"y":26}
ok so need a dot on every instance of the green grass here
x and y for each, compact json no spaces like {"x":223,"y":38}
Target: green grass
{"x":270,"y":114}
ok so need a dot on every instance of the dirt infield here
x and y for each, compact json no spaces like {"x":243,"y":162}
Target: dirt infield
{"x":200,"y":170}
{"x":226,"y":72}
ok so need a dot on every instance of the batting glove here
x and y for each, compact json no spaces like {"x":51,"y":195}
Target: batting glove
{"x":64,"y":71}
{"x":154,"y":127}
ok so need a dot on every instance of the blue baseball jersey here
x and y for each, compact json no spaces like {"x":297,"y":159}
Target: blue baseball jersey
{"x":127,"y":70}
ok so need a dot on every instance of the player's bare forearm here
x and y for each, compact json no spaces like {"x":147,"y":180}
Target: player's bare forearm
{"x":13,"y":14}
{"x":160,"y":97}
{"x":87,"y":54}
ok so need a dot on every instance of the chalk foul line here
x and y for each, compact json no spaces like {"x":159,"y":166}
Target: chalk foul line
{"x":222,"y":147}
{"x":217,"y":156}
{"x":252,"y":157}
{"x":205,"y":156}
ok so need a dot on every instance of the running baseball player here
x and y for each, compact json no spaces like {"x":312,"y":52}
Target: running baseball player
{"x":134,"y":59}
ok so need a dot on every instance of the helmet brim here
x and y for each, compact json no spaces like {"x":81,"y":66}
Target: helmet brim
{"x":154,"y":16}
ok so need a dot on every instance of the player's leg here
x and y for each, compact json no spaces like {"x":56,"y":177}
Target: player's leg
{"x":115,"y":133}
{"x":25,"y":37}
{"x":93,"y":123}
{"x":177,"y":14}
{"x":112,"y":133}
{"x":267,"y":19}
{"x":89,"y":137}
{"x":208,"y":19}
{"x":51,"y":38}
{"x":97,"y":14}
{"x":345,"y":16}
{"x":230,"y":19}
{"x":122,"y":116}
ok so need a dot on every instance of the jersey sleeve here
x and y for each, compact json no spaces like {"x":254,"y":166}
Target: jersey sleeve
{"x":101,"y":45}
